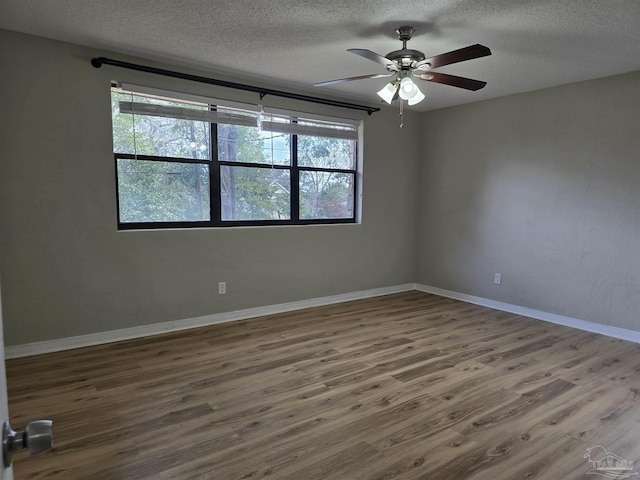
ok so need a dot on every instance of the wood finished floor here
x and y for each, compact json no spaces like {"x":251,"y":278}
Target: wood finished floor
{"x":407,"y":386}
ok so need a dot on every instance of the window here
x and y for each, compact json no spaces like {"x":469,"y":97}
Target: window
{"x":186,"y":162}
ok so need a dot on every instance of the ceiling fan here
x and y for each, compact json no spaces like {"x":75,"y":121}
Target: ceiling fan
{"x":406,"y":64}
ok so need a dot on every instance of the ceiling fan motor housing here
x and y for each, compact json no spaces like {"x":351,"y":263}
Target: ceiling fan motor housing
{"x":406,"y":57}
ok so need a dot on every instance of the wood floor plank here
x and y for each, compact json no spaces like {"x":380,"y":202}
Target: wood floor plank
{"x":408,"y":386}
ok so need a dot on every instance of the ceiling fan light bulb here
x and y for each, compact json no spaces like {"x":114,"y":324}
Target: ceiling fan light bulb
{"x":387,"y":93}
{"x":407,"y":88}
{"x":417,"y":98}
{"x":407,"y":85}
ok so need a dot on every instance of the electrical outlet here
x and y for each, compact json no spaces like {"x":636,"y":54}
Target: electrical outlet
{"x":497,"y":279}
{"x":222,"y":288}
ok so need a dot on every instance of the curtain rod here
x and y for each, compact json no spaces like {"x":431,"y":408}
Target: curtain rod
{"x":99,"y":61}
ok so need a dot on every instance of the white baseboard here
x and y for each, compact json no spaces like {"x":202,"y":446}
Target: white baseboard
{"x":57,"y":345}
{"x":608,"y":330}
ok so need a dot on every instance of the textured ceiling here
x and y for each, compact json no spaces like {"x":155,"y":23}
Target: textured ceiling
{"x":535,"y":44}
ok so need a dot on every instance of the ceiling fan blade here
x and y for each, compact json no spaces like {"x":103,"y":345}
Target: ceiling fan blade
{"x":385,"y":62}
{"x":360,"y":77}
{"x":453,"y":80}
{"x":455,"y":56}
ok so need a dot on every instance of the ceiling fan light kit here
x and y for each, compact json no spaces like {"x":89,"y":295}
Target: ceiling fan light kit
{"x":388,"y":92}
{"x":407,"y":88}
{"x":416,"y":98}
{"x":406,"y":64}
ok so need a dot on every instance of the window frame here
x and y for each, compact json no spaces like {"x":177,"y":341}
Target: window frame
{"x":214,"y":167}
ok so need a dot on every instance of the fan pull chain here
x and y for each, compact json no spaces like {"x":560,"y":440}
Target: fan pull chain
{"x":401,"y":113}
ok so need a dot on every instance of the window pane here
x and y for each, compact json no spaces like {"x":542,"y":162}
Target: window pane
{"x":324,"y":152}
{"x":237,"y":143}
{"x":150,"y":191}
{"x":161,"y":136}
{"x":250,"y":193}
{"x":326,"y":195}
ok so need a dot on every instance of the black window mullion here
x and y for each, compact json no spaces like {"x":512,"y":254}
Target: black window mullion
{"x":254,"y":165}
{"x":295,"y":180}
{"x":115,"y":170}
{"x":328,"y":170}
{"x":356,"y":169}
{"x":216,"y":195}
{"x":153,"y":158}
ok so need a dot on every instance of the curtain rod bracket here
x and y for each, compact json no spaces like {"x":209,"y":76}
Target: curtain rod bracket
{"x":99,"y":61}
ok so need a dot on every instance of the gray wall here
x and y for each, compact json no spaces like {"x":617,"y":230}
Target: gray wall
{"x":67,"y":271}
{"x":543,"y":187}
